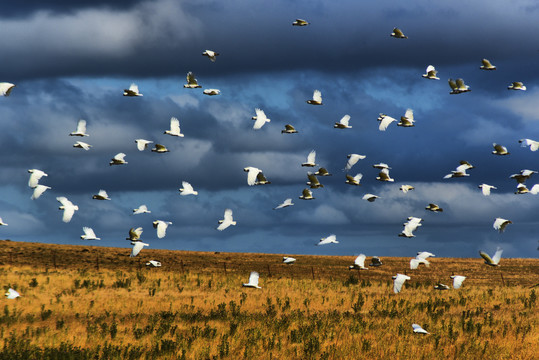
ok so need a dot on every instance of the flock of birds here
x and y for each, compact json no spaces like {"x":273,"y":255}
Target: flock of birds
{"x":255,"y":176}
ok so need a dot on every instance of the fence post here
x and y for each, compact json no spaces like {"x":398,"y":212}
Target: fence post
{"x":224,"y":265}
{"x":312,"y":271}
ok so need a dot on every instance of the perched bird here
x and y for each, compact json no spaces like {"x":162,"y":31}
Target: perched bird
{"x":161,"y":227}
{"x":132,"y":91}
{"x":253,"y":280}
{"x":370,"y":197}
{"x":534,"y":145}
{"x":317,"y":98}
{"x":322,"y":172}
{"x":406,"y":188}
{"x":311,"y":158}
{"x":313,"y":181}
{"x":174,"y":128}
{"x":352,"y":160}
{"x":440,"y":286}
{"x":137,"y":246}
{"x":39,"y":190}
{"x":101,"y":195}
{"x":398,"y":34}
{"x":252,"y":173}
{"x":160,"y":149}
{"x":383,"y":175}
{"x":487,"y":65}
{"x":260,"y":119}
{"x":500,"y":224}
{"x":211,"y":92}
{"x":385,"y":121}
{"x":187,"y":189}
{"x":434,"y":208}
{"x":142,"y":144}
{"x":460,"y":171}
{"x":192,"y":83}
{"x":458,"y":86}
{"x":288,"y":260}
{"x":330,"y":239}
{"x":430,"y":73}
{"x":134,"y":234}
{"x":354,"y":180}
{"x":227,"y":220}
{"x":300,"y":22}
{"x":485,"y":189}
{"x":89,"y":234}
{"x":517,"y":85}
{"x":68,"y":208}
{"x":12,"y":294}
{"x":5,"y":88}
{"x":375,"y":261}
{"x":500,"y":150}
{"x":457,"y":281}
{"x":35,"y":176}
{"x":398,"y":282}
{"x":81,"y":129}
{"x":307,"y":195}
{"x":343,"y":123}
{"x":153,"y":263}
{"x":408,"y":119}
{"x":118,"y":159}
{"x":212,"y":55}
{"x":523,"y":175}
{"x":2,"y":223}
{"x":419,"y":330}
{"x":288,"y":129}
{"x":359,"y":263}
{"x":410,"y":226}
{"x":142,"y":209}
{"x":285,"y":203}
{"x":261,"y":179}
{"x":82,"y":145}
{"x":495,"y":260}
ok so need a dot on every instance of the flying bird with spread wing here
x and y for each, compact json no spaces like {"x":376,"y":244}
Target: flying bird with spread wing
{"x":495,"y":260}
{"x":68,"y":207}
{"x":174,"y":128}
{"x":132,"y":91}
{"x":260,"y":119}
{"x":317,"y":98}
{"x":227,"y":220}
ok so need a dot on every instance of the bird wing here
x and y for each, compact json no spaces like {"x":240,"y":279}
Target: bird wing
{"x":360,"y":260}
{"x":345,"y":120}
{"x":497,"y":256}
{"x":228,"y":215}
{"x":119,"y":157}
{"x":253,"y":278}
{"x":251,"y":175}
{"x":103,"y":193}
{"x":38,"y":191}
{"x":452,"y":84}
{"x":89,"y":232}
{"x":174,"y":125}
{"x":398,"y":282}
{"x":137,"y":246}
{"x":398,"y":32}
{"x":34,"y":177}
{"x":134,"y":234}
{"x":5,"y":88}
{"x":307,"y":193}
{"x":384,"y":123}
{"x":486,"y":256}
{"x":161,"y":229}
{"x":486,"y":63}
{"x":311,"y":157}
{"x":289,"y":127}
{"x":460,"y":84}
{"x":69,"y":210}
{"x":409,"y":114}
{"x":458,"y":280}
{"x":187,"y":187}
{"x":81,"y":126}
{"x":191,"y":79}
{"x":317,"y":96}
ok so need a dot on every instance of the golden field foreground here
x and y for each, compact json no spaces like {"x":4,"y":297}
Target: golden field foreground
{"x":85,"y":302}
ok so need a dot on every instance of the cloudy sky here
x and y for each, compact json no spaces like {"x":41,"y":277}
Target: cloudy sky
{"x":72,"y":60}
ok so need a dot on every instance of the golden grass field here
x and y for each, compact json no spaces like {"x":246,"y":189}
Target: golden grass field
{"x":86,"y":302}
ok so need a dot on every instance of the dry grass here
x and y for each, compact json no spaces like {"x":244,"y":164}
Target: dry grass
{"x":192,"y":308}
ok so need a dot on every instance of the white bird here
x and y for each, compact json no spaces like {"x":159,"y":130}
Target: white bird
{"x":5,"y":88}
{"x":406,"y":188}
{"x":142,"y":144}
{"x":434,"y":208}
{"x":260,"y":119}
{"x":39,"y":190}
{"x":322,"y":172}
{"x":487,"y":65}
{"x":160,"y":149}
{"x":485,"y":189}
{"x":289,"y":129}
{"x":288,"y":260}
{"x":419,"y":330}
{"x":398,"y":281}
{"x":153,"y":263}
{"x":161,"y":227}
{"x":385,"y":121}
{"x":408,"y":119}
{"x":134,"y":234}
{"x":212,"y":55}
{"x":89,"y":234}
{"x":311,"y":159}
{"x":253,"y":280}
{"x":137,"y":246}
{"x":430,"y":73}
{"x":383,"y":175}
{"x":227,"y":220}
{"x":458,"y":86}
{"x":142,"y":209}
{"x":500,"y":224}
{"x":211,"y":92}
{"x":132,"y":91}
{"x":252,"y":173}
{"x":174,"y":128}
{"x":35,"y":176}
{"x":359,"y":263}
{"x":285,"y":203}
{"x":354,"y":180}
{"x":12,"y":294}
{"x":495,"y":260}
{"x":81,"y":129}
{"x":522,"y":189}
{"x":2,"y":223}
{"x":118,"y":159}
{"x":313,"y":182}
{"x":523,"y":175}
{"x":328,"y":240}
{"x":424,"y":255}
{"x":343,"y":123}
{"x":307,"y":195}
{"x":460,"y":171}
{"x":187,"y":189}
{"x":517,"y":85}
{"x":300,"y":22}
{"x":457,"y":281}
{"x":352,"y":160}
{"x":101,"y":195}
{"x":440,"y":286}
{"x":534,"y":145}
{"x":317,"y":98}
{"x":381,"y":166}
{"x":398,"y":34}
{"x":410,"y":226}
{"x":68,"y":207}
{"x":500,"y":150}
{"x":370,"y":197}
{"x":414,"y":263}
{"x":192,"y":83}
{"x":82,"y":145}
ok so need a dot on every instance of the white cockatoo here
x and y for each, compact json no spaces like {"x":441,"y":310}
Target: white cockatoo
{"x":161,"y":227}
{"x":227,"y":220}
{"x":68,"y":207}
